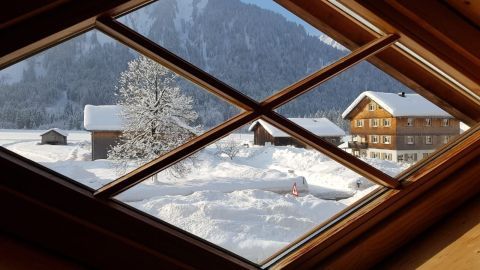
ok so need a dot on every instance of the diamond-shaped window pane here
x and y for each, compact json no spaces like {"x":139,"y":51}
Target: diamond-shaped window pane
{"x":385,"y":123}
{"x":252,"y":200}
{"x":256,"y":47}
{"x":70,"y":106}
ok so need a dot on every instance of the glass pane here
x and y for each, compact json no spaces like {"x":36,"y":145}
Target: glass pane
{"x":385,"y":123}
{"x":92,"y":109}
{"x":257,"y":47}
{"x":241,"y":196}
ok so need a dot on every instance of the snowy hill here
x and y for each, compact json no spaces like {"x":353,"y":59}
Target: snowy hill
{"x":255,"y":50}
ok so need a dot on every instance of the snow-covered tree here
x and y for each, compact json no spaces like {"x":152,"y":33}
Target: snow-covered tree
{"x":230,"y":148}
{"x":157,"y":116}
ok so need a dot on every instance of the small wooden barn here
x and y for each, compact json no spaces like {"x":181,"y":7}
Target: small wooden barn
{"x":54,"y":136}
{"x":106,"y":125}
{"x":264,"y":133}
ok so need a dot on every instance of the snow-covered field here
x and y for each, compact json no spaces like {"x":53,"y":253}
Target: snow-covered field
{"x":244,"y":205}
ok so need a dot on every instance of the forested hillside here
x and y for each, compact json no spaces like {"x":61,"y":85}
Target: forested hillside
{"x":254,"y":50}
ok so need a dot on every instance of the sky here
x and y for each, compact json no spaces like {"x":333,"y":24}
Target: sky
{"x":271,"y":5}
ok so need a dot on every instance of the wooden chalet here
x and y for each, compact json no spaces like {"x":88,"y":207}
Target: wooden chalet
{"x":54,"y":136}
{"x":425,"y":218}
{"x":399,"y":127}
{"x":106,"y":125}
{"x":265,"y":134}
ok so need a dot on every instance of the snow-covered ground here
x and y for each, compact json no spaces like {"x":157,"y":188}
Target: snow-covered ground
{"x":244,"y":205}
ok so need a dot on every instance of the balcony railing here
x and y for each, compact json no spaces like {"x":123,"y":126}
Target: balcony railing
{"x":357,"y":145}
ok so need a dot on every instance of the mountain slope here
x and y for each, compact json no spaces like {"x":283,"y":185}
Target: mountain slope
{"x":254,"y":50}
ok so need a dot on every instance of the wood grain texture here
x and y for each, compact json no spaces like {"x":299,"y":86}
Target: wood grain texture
{"x":452,"y":243}
{"x":374,"y":231}
{"x":14,"y":251}
{"x":393,"y":61}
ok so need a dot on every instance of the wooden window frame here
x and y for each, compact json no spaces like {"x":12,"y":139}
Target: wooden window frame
{"x":427,"y":141}
{"x":410,"y":122}
{"x":445,"y":122}
{"x":388,"y":122}
{"x":338,"y":233}
{"x":359,"y":122}
{"x":428,"y":122}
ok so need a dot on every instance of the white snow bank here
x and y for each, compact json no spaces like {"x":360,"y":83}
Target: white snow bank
{"x":269,"y":182}
{"x":227,"y":202}
{"x":410,"y":105}
{"x":103,"y":118}
{"x":318,"y":126}
{"x":252,"y":223}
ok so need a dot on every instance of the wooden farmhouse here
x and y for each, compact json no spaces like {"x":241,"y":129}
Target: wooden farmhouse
{"x":398,"y":127}
{"x":106,"y":125}
{"x":265,"y":134}
{"x":54,"y":136}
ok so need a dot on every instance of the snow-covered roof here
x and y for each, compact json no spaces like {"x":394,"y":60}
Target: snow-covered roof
{"x":102,"y":117}
{"x":409,"y":105}
{"x":59,"y":131}
{"x":319,"y":126}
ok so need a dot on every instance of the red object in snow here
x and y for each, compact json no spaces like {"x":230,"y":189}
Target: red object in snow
{"x":294,"y":189}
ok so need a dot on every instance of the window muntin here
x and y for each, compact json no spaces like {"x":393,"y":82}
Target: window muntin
{"x":374,"y":138}
{"x":359,"y":123}
{"x":239,"y":192}
{"x":387,"y":122}
{"x":337,"y":96}
{"x":428,"y":140}
{"x":428,"y":122}
{"x":72,"y":125}
{"x":224,"y":39}
{"x":445,"y":122}
{"x":372,"y":106}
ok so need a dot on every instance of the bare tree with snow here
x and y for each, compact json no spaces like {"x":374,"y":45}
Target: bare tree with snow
{"x":230,"y":148}
{"x":157,"y":116}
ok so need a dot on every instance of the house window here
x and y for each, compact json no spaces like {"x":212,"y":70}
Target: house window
{"x":410,"y":139}
{"x":374,"y":122}
{"x":410,"y":122}
{"x":445,"y":122}
{"x":428,"y":122}
{"x":446,"y":139}
{"x":386,"y":122}
{"x":359,"y":123}
{"x":411,"y":157}
{"x":387,"y":139}
{"x":428,"y":140}
{"x":134,"y":178}
{"x":424,"y":155}
{"x":400,"y":158}
{"x":386,"y":156}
